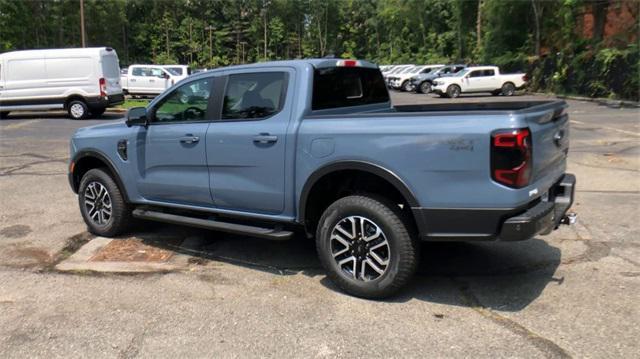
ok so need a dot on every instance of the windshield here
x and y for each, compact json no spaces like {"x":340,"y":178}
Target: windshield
{"x":460,"y":73}
{"x":408,"y":70}
{"x":176,"y":71}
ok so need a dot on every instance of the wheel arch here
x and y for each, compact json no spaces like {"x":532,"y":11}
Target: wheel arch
{"x":74,"y":97}
{"x":380,"y":175}
{"x":87,"y":160}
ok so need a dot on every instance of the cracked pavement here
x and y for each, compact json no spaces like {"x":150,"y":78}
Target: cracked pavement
{"x":573,"y":293}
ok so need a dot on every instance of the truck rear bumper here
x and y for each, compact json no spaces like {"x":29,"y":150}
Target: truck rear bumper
{"x":517,"y":224}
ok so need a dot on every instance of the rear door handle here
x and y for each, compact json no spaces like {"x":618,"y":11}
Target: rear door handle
{"x":265,"y":138}
{"x":189,"y":139}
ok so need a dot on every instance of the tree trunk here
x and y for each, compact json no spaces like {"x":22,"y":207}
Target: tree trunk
{"x":479,"y":26}
{"x":599,"y":10}
{"x":537,"y":14}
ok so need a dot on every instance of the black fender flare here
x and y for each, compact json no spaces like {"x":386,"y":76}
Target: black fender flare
{"x":75,"y":182}
{"x":364,"y":166}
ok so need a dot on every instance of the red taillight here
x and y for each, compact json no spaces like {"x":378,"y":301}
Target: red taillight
{"x":103,"y":87}
{"x":511,"y":157}
{"x":525,"y":78}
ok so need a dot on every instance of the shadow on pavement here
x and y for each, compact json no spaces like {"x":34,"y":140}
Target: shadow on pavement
{"x":504,"y":276}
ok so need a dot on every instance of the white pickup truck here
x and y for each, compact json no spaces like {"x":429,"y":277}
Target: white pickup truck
{"x":479,"y":79}
{"x":148,"y":80}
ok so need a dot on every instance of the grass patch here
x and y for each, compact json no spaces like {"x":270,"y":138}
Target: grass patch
{"x":129,"y":103}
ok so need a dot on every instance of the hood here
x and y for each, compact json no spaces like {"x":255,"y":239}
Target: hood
{"x":104,"y":129}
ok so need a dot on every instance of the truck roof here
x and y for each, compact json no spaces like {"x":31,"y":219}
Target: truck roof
{"x":302,"y":63}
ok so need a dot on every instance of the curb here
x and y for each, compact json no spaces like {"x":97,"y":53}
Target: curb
{"x":116,"y":109}
{"x":601,"y":101}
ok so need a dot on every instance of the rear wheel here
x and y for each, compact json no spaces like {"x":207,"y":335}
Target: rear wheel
{"x":406,"y":86}
{"x":77,"y":109}
{"x":102,"y":205}
{"x":425,"y":87}
{"x":453,"y":91}
{"x":366,"y":246}
{"x":508,"y":89}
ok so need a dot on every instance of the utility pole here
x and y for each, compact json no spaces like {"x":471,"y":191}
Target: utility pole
{"x":210,"y":28}
{"x":82,"y":35}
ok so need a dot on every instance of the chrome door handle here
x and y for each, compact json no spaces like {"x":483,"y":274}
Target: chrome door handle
{"x":189,"y":139}
{"x":265,"y":138}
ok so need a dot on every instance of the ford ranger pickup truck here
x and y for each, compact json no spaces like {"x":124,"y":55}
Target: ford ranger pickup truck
{"x":479,"y":79}
{"x":316,"y":146}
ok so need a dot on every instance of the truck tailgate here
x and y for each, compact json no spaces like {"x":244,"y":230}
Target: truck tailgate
{"x":550,"y":138}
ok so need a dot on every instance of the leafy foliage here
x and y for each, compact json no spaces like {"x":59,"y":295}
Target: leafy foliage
{"x":210,"y":33}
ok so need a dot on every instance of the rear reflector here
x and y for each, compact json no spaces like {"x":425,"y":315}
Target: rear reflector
{"x":348,"y":63}
{"x":511,"y":161}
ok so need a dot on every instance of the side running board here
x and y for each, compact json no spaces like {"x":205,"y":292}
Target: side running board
{"x":269,"y":233}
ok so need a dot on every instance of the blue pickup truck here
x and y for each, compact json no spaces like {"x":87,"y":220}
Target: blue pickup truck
{"x":316,"y":145}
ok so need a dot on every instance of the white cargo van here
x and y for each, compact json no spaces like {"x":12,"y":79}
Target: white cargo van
{"x":82,"y":81}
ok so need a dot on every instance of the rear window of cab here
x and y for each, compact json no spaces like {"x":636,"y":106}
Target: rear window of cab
{"x":336,"y":87}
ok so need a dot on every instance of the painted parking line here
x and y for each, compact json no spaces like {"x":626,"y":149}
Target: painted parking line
{"x":21,"y":124}
{"x":636,"y":134}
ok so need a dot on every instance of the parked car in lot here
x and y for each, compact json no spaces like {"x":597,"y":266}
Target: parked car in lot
{"x":479,"y":79}
{"x":396,"y":70}
{"x":316,"y":145}
{"x":178,"y":72}
{"x":81,"y":81}
{"x":147,"y":80}
{"x":422,"y":83}
{"x":402,"y":81}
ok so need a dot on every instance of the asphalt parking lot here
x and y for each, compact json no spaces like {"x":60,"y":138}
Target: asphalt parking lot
{"x":573,"y":293}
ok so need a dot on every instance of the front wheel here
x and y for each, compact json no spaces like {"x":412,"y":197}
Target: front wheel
{"x":453,"y":91}
{"x":425,"y":87}
{"x":102,"y":205}
{"x":366,"y":246}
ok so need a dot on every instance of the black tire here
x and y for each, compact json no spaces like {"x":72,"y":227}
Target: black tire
{"x":406,"y":86}
{"x":453,"y":91}
{"x":425,"y":87}
{"x":97,"y":112}
{"x":401,"y":247}
{"x":508,"y":89}
{"x":77,"y":109}
{"x":4,"y":114}
{"x":120,"y":218}
{"x":496,"y":92}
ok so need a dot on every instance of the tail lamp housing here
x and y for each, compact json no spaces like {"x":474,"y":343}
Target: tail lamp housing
{"x":511,"y":162}
{"x":103,"y":87}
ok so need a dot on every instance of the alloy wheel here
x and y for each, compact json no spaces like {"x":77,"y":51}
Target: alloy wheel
{"x":360,"y":248}
{"x":98,"y":203}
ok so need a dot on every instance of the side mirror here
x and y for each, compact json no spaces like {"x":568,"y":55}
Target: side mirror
{"x":165,"y":76}
{"x":137,"y":116}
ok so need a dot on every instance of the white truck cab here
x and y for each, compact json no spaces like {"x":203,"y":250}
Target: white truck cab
{"x":82,"y":81}
{"x":147,"y":80}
